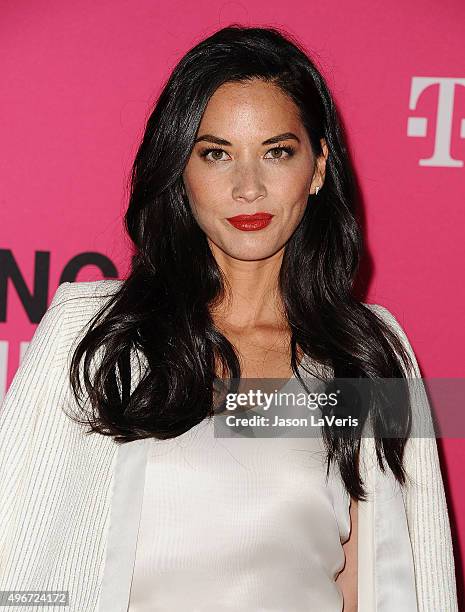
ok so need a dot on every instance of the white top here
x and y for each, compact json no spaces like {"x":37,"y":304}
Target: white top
{"x":239,"y":524}
{"x":70,"y":502}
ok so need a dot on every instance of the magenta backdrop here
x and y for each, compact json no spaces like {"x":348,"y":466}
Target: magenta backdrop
{"x":78,"y":81}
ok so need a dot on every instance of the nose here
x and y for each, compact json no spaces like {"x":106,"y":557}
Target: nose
{"x":248,"y":184}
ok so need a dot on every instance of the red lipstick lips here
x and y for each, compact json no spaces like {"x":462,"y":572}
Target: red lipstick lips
{"x":251,"y":223}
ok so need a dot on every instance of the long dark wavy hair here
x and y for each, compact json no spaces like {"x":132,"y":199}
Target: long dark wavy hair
{"x":162,"y":311}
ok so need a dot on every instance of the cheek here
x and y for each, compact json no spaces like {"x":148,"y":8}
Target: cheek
{"x":199,"y":185}
{"x":292,"y":197}
{"x":203,"y":205}
{"x":295,"y":184}
{"x":205,"y":196}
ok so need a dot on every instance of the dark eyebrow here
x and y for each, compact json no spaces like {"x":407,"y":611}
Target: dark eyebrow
{"x":225,"y":143}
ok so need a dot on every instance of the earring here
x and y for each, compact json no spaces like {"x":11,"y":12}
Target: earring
{"x":317,"y":189}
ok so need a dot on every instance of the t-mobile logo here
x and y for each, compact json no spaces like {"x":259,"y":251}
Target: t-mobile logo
{"x":418,"y":126}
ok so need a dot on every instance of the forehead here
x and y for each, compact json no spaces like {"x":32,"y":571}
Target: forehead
{"x":255,"y":107}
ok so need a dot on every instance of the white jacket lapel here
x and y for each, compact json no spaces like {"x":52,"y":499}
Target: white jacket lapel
{"x":386,"y":576}
{"x":126,"y":506}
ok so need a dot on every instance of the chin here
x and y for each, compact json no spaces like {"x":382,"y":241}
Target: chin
{"x":244,"y":248}
{"x":250,"y":254}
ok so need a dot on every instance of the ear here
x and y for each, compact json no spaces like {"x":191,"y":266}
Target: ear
{"x":320,"y":170}
{"x":183,"y":188}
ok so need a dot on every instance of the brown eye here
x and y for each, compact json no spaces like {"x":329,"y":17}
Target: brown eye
{"x":206,"y":152}
{"x":216,"y":154}
{"x":279,"y":152}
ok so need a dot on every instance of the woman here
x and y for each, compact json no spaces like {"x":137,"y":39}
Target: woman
{"x":142,"y":515}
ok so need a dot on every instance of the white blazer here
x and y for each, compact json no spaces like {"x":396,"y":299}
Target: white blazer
{"x":70,"y":503}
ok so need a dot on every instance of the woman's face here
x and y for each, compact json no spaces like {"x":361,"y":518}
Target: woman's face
{"x":233,"y":171}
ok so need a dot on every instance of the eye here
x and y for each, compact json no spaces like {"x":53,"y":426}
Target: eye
{"x":279,"y":149}
{"x":206,"y":152}
{"x":213,"y":155}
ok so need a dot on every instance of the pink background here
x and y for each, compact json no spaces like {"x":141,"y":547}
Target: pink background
{"x":79,"y":80}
